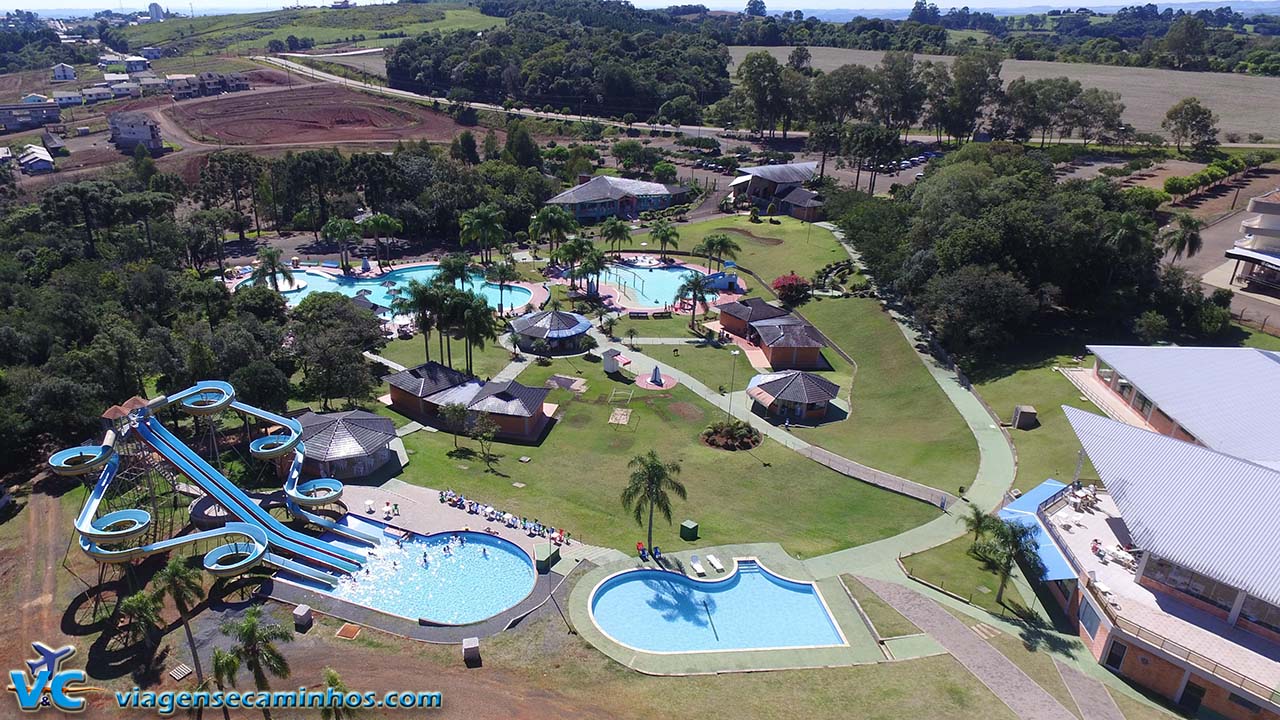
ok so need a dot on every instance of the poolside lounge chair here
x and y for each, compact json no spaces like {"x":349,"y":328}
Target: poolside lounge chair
{"x":644,"y":554}
{"x":657,"y":554}
{"x":330,"y":264}
{"x":714,"y":562}
{"x":697,"y":566}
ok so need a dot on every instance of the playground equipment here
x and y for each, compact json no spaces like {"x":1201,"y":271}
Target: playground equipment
{"x":130,"y":510}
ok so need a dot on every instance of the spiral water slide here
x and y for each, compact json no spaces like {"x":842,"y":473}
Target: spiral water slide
{"x":256,"y":537}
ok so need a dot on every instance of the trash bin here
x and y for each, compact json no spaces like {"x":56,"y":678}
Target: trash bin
{"x":471,"y":651}
{"x":688,"y":530}
{"x":302,"y":618}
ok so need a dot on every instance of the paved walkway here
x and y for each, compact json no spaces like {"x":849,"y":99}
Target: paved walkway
{"x":1027,"y":699}
{"x":395,"y":366}
{"x":1090,"y":696}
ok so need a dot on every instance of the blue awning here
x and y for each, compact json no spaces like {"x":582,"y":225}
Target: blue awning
{"x":1023,"y":511}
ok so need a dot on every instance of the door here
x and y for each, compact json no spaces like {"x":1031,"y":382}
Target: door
{"x":1192,"y":696}
{"x":1115,"y":656}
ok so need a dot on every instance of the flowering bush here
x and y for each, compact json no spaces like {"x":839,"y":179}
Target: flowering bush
{"x":791,"y":288}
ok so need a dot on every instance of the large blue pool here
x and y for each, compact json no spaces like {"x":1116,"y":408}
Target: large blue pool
{"x":470,"y":582}
{"x":646,"y":286}
{"x":667,"y":612}
{"x":379,"y":294}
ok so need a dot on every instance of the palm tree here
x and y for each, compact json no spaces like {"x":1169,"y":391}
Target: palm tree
{"x":143,"y":613}
{"x":450,"y":316}
{"x":665,"y":235}
{"x":454,"y":268}
{"x":482,"y":227}
{"x":340,"y":231}
{"x":696,"y":288}
{"x":591,"y":265}
{"x":1130,"y":235}
{"x":1011,"y":541}
{"x":271,"y":267}
{"x":333,"y":681}
{"x":718,"y":247}
{"x":615,"y":233}
{"x":254,"y":648}
{"x":552,"y":223}
{"x":225,"y":667}
{"x":502,"y":274}
{"x":1184,"y":237}
{"x":181,"y":582}
{"x":382,"y":224}
{"x":479,"y":324}
{"x":420,"y":300}
{"x":978,"y":522}
{"x":650,"y":488}
{"x":570,"y":253}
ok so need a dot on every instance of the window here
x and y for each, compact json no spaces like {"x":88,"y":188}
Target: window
{"x":1089,"y":618}
{"x":1115,"y":656}
{"x":1245,"y":703}
{"x":1262,"y":613}
{"x":1192,"y":583}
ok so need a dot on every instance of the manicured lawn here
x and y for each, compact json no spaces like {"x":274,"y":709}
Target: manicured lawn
{"x":888,"y":622}
{"x":900,"y":420}
{"x":484,"y":363}
{"x":767,"y":250}
{"x":712,"y":365}
{"x":1134,"y":710}
{"x":676,"y":326}
{"x":1253,"y":338}
{"x":575,"y":477}
{"x":951,"y":567}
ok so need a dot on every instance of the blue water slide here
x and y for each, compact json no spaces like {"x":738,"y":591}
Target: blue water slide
{"x":282,"y":538}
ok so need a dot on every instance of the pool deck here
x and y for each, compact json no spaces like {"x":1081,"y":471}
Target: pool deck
{"x":619,"y":296}
{"x":862,"y":648}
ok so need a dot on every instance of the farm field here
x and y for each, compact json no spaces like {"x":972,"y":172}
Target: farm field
{"x":1147,"y":93}
{"x":370,"y":63}
{"x":243,"y":32}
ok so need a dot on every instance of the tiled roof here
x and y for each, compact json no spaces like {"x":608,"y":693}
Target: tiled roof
{"x":796,"y":386}
{"x":509,"y":398}
{"x":779,"y":332}
{"x":337,"y":436}
{"x":426,"y":379}
{"x":551,"y":324}
{"x":752,"y":309}
{"x":800,"y":197}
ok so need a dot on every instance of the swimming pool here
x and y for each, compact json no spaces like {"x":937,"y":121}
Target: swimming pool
{"x":467,"y":583}
{"x":642,"y":286}
{"x":668,"y":612}
{"x":379,"y":294}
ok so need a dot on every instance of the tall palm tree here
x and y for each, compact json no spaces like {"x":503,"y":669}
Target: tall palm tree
{"x":454,"y":269}
{"x":978,"y":522}
{"x":570,"y":253}
{"x":143,"y":612}
{"x":382,"y":225}
{"x":254,"y":647}
{"x":1130,"y":234}
{"x":341,"y":232}
{"x":479,"y":325}
{"x":420,"y":300}
{"x":1011,"y":541}
{"x":225,"y":667}
{"x":695,"y":287}
{"x":333,"y":681}
{"x":615,"y":233}
{"x":482,"y":227}
{"x":665,"y":234}
{"x":181,"y":582}
{"x":591,"y":265}
{"x":271,"y":267}
{"x":650,"y":488}
{"x":450,"y":316}
{"x":718,"y":247}
{"x":553,"y":224}
{"x":502,"y":274}
{"x":1184,"y":237}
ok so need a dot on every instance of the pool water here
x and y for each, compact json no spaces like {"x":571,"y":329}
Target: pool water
{"x":666,"y":612}
{"x":512,"y":296}
{"x":653,"y":287}
{"x":471,"y":582}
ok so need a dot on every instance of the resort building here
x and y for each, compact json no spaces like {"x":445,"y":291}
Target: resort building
{"x":346,"y":444}
{"x":28,"y":116}
{"x":562,"y":331}
{"x":63,"y":72}
{"x":1222,"y":398}
{"x":129,"y":130}
{"x":1257,"y":252}
{"x":605,"y":196}
{"x":776,"y":185}
{"x":792,"y":394}
{"x":788,"y":342}
{"x":521,"y":412}
{"x":735,"y":317}
{"x":1174,"y":581}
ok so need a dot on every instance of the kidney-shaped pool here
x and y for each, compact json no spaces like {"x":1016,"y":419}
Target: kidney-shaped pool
{"x":753,"y":609}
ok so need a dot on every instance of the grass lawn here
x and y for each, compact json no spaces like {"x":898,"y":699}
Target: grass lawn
{"x":767,"y":250}
{"x":889,"y":623}
{"x":484,"y":363}
{"x":1252,"y":338}
{"x":714,"y":366}
{"x":900,"y":420}
{"x":576,"y":476}
{"x":1134,"y":710}
{"x":676,"y":326}
{"x":951,"y":567}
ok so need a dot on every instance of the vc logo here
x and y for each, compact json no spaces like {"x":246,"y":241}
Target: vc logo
{"x":45,"y":683}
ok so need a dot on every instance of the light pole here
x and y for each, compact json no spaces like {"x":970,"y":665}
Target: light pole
{"x":733,"y":374}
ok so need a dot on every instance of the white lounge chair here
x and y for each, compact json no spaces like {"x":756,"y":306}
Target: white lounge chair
{"x":697,"y":566}
{"x":714,"y":562}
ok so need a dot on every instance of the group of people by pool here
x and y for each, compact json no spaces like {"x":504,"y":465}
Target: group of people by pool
{"x":534,"y":528}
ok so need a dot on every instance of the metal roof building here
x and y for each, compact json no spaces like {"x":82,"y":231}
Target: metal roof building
{"x":607,"y":187}
{"x":783,"y":174}
{"x":1193,"y":506}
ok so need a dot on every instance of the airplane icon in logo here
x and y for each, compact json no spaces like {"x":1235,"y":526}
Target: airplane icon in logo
{"x":50,"y":659}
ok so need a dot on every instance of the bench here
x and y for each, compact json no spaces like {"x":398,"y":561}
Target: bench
{"x":637,"y":315}
{"x":663,"y":315}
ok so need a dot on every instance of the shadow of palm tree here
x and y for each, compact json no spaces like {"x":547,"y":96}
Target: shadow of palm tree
{"x":677,"y":600}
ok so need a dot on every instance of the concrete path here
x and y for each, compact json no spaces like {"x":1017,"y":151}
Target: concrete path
{"x":1028,"y":700}
{"x":395,"y":366}
{"x":1090,"y":695}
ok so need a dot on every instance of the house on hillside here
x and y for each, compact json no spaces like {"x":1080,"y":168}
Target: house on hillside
{"x":97,"y":94}
{"x":68,"y":98}
{"x":605,"y":196}
{"x":131,"y":129}
{"x":28,"y":116}
{"x":777,"y":185}
{"x":63,"y":72}
{"x":153,"y":86}
{"x":35,"y":98}
{"x":109,"y":79}
{"x":151,"y":53}
{"x":35,"y":160}
{"x":126,"y":89}
{"x":54,"y":144}
{"x":136,"y":63}
{"x":182,"y":88}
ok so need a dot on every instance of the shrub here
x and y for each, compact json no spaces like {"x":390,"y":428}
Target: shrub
{"x":791,"y":288}
{"x":1222,"y":297}
{"x":1151,"y":326}
{"x":1232,"y":137}
{"x":755,"y":214}
{"x":731,"y":435}
{"x":1256,"y":137}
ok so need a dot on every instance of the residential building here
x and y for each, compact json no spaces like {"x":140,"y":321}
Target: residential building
{"x":35,"y":160}
{"x":792,"y":394}
{"x":97,"y":94}
{"x":182,"y":88}
{"x":776,"y":185}
{"x":1257,"y":252}
{"x":136,"y":63}
{"x":520,"y":412}
{"x":151,"y":53}
{"x":108,"y":59}
{"x":130,"y":129}
{"x":109,"y":79}
{"x":153,"y":86}
{"x":63,"y":72}
{"x":6,"y":155}
{"x":1171,"y":569}
{"x":605,"y":196}
{"x":28,"y":116}
{"x":68,"y":98}
{"x":35,"y":98}
{"x":735,"y":317}
{"x":126,"y":89}
{"x":788,"y":342}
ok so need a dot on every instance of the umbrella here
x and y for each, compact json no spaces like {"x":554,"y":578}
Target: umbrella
{"x":656,"y":377}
